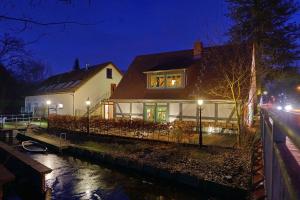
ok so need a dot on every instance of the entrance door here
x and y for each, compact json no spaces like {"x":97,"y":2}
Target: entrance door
{"x":149,"y":113}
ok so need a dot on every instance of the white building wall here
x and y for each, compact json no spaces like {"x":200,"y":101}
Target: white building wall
{"x":40,"y":101}
{"x":137,"y":108}
{"x":98,"y":87}
{"x":224,"y":110}
{"x":189,"y":109}
{"x":208,"y":110}
{"x":174,"y":109}
{"x":123,"y":108}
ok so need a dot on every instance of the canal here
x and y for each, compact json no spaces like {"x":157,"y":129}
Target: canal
{"x":74,"y":178}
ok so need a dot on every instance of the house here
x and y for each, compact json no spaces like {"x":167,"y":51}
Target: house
{"x":67,"y":93}
{"x":164,"y":87}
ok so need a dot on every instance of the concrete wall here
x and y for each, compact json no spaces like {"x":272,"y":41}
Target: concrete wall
{"x":97,"y":88}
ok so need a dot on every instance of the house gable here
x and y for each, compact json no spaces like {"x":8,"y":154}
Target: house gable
{"x":97,"y":88}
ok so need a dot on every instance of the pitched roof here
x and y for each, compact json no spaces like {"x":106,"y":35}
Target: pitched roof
{"x":201,"y":73}
{"x":70,"y":81}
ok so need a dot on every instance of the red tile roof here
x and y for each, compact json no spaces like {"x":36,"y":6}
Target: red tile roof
{"x":201,"y":73}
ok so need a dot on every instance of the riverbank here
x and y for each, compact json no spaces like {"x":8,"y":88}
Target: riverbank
{"x":213,"y":169}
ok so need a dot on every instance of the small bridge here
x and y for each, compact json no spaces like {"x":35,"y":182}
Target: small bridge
{"x":281,"y":154}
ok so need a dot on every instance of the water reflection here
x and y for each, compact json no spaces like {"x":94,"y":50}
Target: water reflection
{"x":73,"y":178}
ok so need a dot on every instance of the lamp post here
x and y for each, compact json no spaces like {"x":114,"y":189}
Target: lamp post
{"x":48,"y":102}
{"x":200,"y":103}
{"x":88,"y":103}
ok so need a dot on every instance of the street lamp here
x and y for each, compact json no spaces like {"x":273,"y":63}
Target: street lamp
{"x":200,"y":103}
{"x":48,"y":102}
{"x":88,"y":104}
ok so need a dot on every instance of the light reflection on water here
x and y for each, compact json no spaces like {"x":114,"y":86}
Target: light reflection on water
{"x":74,"y":178}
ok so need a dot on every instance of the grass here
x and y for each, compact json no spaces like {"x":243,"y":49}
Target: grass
{"x":13,"y":125}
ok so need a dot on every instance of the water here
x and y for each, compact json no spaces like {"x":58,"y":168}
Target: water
{"x":74,"y":178}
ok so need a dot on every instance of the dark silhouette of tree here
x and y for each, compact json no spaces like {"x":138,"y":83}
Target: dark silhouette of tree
{"x":266,"y":24}
{"x":76,"y":65}
{"x":8,"y":91}
{"x":12,"y":51}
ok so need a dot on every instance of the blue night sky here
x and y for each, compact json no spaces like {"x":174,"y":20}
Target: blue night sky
{"x":122,"y":29}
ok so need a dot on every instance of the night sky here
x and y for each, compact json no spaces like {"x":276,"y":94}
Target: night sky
{"x":120,"y":30}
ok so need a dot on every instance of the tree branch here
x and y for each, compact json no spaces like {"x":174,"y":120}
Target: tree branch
{"x":30,"y":21}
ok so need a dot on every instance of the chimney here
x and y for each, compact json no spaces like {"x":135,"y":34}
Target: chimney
{"x":198,"y":49}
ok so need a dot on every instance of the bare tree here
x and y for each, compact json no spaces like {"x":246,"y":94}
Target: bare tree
{"x":231,"y":67}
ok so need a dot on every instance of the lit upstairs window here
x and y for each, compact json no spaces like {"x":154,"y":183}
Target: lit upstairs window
{"x":166,"y":80}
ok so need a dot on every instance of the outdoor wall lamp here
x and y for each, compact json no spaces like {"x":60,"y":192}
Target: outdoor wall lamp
{"x":48,"y":102}
{"x":87,"y":102}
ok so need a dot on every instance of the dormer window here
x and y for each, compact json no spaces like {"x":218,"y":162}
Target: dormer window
{"x":168,"y":79}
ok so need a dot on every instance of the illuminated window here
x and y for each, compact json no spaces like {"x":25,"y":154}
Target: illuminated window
{"x":174,"y":80}
{"x":166,"y":80}
{"x":157,"y":81}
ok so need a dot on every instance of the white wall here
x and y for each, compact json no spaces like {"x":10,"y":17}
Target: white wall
{"x":98,"y":87}
{"x":224,"y":110}
{"x":137,"y":108}
{"x":208,"y":110}
{"x":123,"y":108}
{"x":66,"y":99}
{"x":189,"y":109}
{"x":174,"y":109}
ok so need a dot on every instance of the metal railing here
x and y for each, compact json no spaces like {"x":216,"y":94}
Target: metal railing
{"x":281,"y":148}
{"x":15,"y":119}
